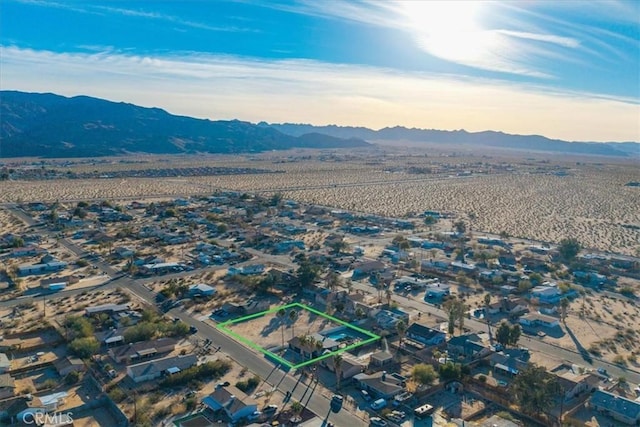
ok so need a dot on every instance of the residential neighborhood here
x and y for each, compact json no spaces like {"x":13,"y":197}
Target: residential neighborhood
{"x":242,"y":309}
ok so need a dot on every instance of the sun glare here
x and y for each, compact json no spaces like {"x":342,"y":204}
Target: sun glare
{"x":449,"y":29}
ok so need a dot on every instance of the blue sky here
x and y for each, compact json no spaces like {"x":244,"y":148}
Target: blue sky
{"x":564,"y":69}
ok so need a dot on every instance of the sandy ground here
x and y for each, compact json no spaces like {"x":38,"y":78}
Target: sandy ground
{"x":592,"y":203}
{"x":267,"y":331}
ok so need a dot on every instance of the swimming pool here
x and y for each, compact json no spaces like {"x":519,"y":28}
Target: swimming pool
{"x":338,"y":337}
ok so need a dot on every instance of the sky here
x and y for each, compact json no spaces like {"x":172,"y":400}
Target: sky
{"x":563,"y":69}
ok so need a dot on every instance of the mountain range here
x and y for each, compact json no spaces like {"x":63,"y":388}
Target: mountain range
{"x":475,"y":139}
{"x":49,"y":125}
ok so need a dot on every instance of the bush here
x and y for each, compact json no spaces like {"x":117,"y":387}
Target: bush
{"x":117,"y":394}
{"x":424,"y":374}
{"x":191,"y":403}
{"x":84,"y":347}
{"x":72,"y":378}
{"x":249,"y":385}
{"x":214,"y":370}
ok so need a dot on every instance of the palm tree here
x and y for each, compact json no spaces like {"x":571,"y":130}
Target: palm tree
{"x":487,"y":303}
{"x":293,"y":316}
{"x":564,"y":305}
{"x":333,"y":280}
{"x":281,"y":314}
{"x":388,"y":294}
{"x":401,"y":327}
{"x":337,"y":366}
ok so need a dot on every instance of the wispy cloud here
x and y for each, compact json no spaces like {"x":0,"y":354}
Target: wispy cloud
{"x":135,"y":13}
{"x":213,"y":86}
{"x":172,"y":19}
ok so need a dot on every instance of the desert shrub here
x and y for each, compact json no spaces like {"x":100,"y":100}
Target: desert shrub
{"x":249,"y":385}
{"x":117,"y":394}
{"x":209,"y":370}
{"x":72,"y":378}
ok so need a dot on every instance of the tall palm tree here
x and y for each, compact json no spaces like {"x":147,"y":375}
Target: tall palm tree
{"x":564,"y":305}
{"x":388,"y":294}
{"x":337,"y":366}
{"x":487,"y":303}
{"x":293,"y":316}
{"x":281,"y":315}
{"x":401,"y":327}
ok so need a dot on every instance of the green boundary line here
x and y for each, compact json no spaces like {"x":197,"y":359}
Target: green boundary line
{"x":224,"y":328}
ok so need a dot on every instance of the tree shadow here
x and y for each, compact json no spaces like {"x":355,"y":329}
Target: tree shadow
{"x":273,"y":325}
{"x":583,"y":351}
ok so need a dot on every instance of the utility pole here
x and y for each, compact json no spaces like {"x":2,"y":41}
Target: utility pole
{"x":44,"y":306}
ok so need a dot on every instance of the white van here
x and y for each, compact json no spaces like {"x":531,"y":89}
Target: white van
{"x":379,"y":404}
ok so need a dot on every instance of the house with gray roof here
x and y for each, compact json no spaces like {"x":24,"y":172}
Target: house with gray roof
{"x":619,"y":408}
{"x":153,"y":369}
{"x":232,"y":401}
{"x":381,"y":384}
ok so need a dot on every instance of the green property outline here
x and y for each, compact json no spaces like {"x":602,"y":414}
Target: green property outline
{"x":223,"y":327}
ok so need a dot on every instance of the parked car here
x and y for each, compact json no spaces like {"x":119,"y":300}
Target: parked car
{"x":377,"y":422}
{"x":365,"y":395}
{"x":269,"y":409}
{"x":336,"y":402}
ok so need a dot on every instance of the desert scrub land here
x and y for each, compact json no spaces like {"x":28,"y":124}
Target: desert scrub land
{"x":526,"y":199}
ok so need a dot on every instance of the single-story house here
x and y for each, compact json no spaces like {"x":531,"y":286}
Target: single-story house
{"x":7,"y":386}
{"x":29,"y":269}
{"x":289,"y":245}
{"x":26,"y":251}
{"x":381,"y":384}
{"x":467,"y":346}
{"x":425,"y":335}
{"x":381,"y":358}
{"x":436,"y":291}
{"x":5,"y":363}
{"x":575,"y":382}
{"x":124,"y":252}
{"x":349,"y":367}
{"x":106,"y":308}
{"x":539,"y":320}
{"x":69,"y":364}
{"x":232,"y":401}
{"x":161,"y":268}
{"x":506,"y":364}
{"x":619,"y":408}
{"x":58,"y":283}
{"x":464,"y":267}
{"x":153,"y":369}
{"x":297,"y":345}
{"x":388,"y":319}
{"x":135,"y":352}
{"x":201,"y":290}
{"x":546,"y":294}
{"x":367,"y":268}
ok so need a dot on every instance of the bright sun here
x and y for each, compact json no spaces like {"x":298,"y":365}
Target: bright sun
{"x":448,"y":29}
